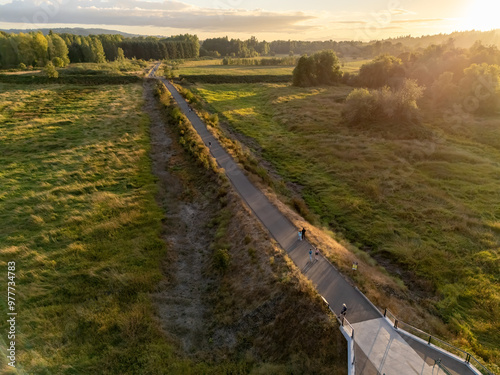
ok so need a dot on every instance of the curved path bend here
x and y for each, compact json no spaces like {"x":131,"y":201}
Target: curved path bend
{"x":380,"y":348}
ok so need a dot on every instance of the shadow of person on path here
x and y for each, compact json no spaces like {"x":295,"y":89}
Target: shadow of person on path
{"x":307,"y":267}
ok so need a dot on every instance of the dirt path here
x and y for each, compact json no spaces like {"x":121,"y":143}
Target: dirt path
{"x":179,"y":297}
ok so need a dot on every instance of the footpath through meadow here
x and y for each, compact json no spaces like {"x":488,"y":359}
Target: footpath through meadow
{"x":379,"y":347}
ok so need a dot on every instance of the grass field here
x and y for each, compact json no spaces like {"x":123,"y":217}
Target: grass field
{"x":427,"y":207}
{"x":78,"y":216}
{"x":215,"y":67}
{"x":352,"y":66}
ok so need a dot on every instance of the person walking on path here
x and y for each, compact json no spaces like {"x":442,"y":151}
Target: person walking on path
{"x":310,"y":255}
{"x":316,"y":255}
{"x":303,"y":233}
{"x":300,"y":235}
{"x":343,"y":312}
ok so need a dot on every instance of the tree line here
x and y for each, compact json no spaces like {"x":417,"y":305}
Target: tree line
{"x":217,"y":47}
{"x":36,"y":50}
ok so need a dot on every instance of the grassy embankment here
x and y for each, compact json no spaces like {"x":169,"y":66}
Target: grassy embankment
{"x":426,"y":207}
{"x":264,"y":315}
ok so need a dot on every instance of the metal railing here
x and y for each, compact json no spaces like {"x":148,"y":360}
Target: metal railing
{"x":432,"y":340}
{"x":349,"y":330}
{"x":440,"y":366}
{"x":347,"y":326}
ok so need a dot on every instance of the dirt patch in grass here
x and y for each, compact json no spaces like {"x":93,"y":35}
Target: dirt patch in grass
{"x":180,"y":294}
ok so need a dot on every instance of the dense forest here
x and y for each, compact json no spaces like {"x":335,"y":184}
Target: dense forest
{"x":36,"y":50}
{"x":217,"y":47}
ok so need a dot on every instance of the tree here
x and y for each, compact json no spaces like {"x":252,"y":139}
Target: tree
{"x":322,"y":68}
{"x":327,"y":68}
{"x":57,"y":47}
{"x":58,"y":62}
{"x":50,"y":70}
{"x":479,"y":88}
{"x":444,"y":92}
{"x":301,"y":73}
{"x":40,"y":46}
{"x":384,"y":70}
{"x":120,"y":56}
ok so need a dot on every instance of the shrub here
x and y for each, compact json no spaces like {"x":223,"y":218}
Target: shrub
{"x":58,"y":62}
{"x":51,"y":71}
{"x":400,"y":105}
{"x":221,"y":260}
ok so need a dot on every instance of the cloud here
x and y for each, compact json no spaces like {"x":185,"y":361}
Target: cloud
{"x":401,"y":11}
{"x":422,"y":20}
{"x":169,"y":13}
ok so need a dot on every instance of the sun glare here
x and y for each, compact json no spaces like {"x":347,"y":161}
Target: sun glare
{"x":482,"y":15}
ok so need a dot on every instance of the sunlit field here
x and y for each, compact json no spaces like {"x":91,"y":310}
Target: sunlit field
{"x":78,"y":216}
{"x":215,"y":67}
{"x":352,"y":66}
{"x":425,"y":203}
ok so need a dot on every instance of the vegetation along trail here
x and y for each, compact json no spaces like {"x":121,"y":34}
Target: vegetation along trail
{"x":329,"y":281}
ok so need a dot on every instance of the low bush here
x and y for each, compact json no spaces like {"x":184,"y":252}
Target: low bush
{"x":364,"y":106}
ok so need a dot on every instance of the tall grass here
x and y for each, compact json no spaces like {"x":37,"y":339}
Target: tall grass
{"x":78,"y":217}
{"x":426,"y":208}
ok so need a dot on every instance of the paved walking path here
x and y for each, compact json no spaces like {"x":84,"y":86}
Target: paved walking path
{"x":380,"y":349}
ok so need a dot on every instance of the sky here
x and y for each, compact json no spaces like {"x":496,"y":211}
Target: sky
{"x":267,"y":20}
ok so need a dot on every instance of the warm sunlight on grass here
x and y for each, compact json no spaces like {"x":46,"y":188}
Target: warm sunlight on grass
{"x":78,"y":217}
{"x":426,"y":208}
{"x":215,"y":67}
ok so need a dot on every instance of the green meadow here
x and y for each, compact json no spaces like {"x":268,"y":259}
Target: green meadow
{"x":215,"y":66}
{"x":422,"y":201}
{"x":78,"y":217}
{"x":352,"y":66}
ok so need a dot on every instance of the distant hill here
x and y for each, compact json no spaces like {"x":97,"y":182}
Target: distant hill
{"x":74,"y":30}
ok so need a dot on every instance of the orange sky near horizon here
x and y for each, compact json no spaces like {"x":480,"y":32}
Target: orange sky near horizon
{"x":293,"y":19}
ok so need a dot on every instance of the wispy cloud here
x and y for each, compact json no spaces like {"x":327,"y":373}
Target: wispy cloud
{"x":169,"y":13}
{"x":400,"y":11}
{"x":421,"y":20}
